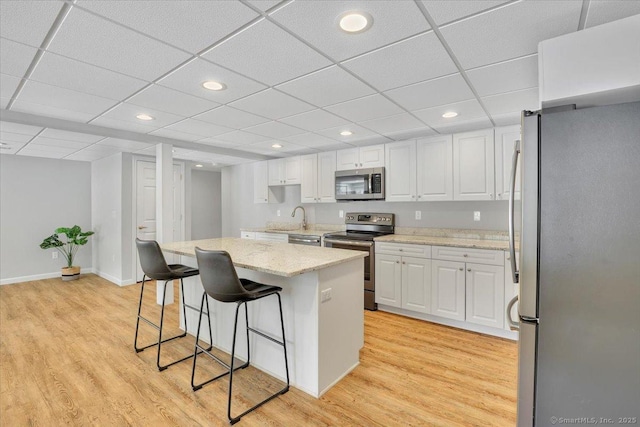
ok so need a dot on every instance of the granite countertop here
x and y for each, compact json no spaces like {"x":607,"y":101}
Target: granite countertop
{"x":501,"y":245}
{"x":296,"y":228}
{"x":279,"y":258}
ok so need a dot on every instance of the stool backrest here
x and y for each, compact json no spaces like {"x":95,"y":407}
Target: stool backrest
{"x":152,"y":261}
{"x":219,"y":277}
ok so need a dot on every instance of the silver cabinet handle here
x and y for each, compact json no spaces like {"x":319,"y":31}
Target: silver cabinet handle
{"x":513,"y":325}
{"x":349,"y":242}
{"x":512,"y":239}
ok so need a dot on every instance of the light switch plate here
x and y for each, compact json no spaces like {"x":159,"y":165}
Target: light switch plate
{"x":341,"y":213}
{"x":418,"y":214}
{"x":278,"y":212}
{"x":476,"y":215}
{"x":325,"y":295}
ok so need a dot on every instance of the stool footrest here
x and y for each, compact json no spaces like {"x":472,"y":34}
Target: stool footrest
{"x":139,"y":349}
{"x":262,"y":334}
{"x":273,"y":396}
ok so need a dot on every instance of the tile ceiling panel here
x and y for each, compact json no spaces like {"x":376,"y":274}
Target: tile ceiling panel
{"x":8,"y":85}
{"x":124,"y":144}
{"x":264,"y":5}
{"x":33,"y":152}
{"x":15,"y":137}
{"x":391,"y":124}
{"x":19,"y":128}
{"x":87,"y":156}
{"x":169,"y":133}
{"x":123,"y":125}
{"x":189,"y":79}
{"x":369,"y":107}
{"x":15,"y":58}
{"x":443,"y":11}
{"x":4,"y":102}
{"x":603,"y":11}
{"x":34,"y":146}
{"x":510,"y":31}
{"x":468,"y":111}
{"x":359,"y":133}
{"x":11,"y":147}
{"x":50,"y":111}
{"x":56,"y":97}
{"x":128,"y":112}
{"x":171,"y":101}
{"x":267,"y":53}
{"x":198,"y":127}
{"x":315,"y":120}
{"x":315,"y":141}
{"x":265,"y":147}
{"x":274,"y":130}
{"x":317,"y":23}
{"x":237,"y":137}
{"x":187,"y":24}
{"x":507,"y":119}
{"x":67,"y":73}
{"x":444,"y":90}
{"x":470,"y":125}
{"x":272,"y":104}
{"x":39,"y":14}
{"x":91,"y":39}
{"x":71,"y":136}
{"x":420,"y":58}
{"x":512,"y":102}
{"x":60,"y":143}
{"x":410,"y":133}
{"x":521,"y":73}
{"x":230,"y":117}
{"x":326,"y":87}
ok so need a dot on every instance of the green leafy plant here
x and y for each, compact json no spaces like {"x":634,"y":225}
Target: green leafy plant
{"x":75,"y":238}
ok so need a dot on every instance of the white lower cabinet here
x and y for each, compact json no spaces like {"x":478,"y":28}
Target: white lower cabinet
{"x":416,"y":284}
{"x":388,"y":280}
{"x":448,"y":289}
{"x":485,"y":295}
{"x":272,"y":237}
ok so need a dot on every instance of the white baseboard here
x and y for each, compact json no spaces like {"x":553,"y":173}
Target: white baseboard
{"x":33,"y":277}
{"x":115,"y":280}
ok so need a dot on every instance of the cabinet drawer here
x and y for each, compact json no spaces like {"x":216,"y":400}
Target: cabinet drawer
{"x":419,"y":251}
{"x":247,"y":235}
{"x":273,"y":237}
{"x":478,"y":256}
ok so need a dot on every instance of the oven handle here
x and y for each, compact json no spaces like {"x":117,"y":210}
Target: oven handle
{"x":370,"y":182}
{"x":350,"y":242}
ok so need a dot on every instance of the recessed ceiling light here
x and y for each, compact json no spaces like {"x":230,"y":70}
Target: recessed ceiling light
{"x":276,"y":146}
{"x":354,"y":22}
{"x":144,"y":117}
{"x":346,"y":133}
{"x":213,"y":85}
{"x":198,"y":166}
{"x":449,"y":114}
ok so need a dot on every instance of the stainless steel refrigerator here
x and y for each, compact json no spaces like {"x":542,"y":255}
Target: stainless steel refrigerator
{"x":578,"y":227}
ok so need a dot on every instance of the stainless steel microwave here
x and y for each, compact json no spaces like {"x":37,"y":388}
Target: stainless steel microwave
{"x":360,"y":184}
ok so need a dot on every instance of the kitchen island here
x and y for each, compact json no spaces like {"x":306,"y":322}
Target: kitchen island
{"x":322,"y":293}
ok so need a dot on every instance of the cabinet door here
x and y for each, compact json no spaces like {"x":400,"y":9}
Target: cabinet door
{"x":485,"y":295}
{"x":372,"y":157}
{"x":272,"y":237}
{"x":416,"y":284}
{"x":473,"y":174}
{"x":400,"y":161}
{"x":327,"y":177}
{"x":260,"y":186}
{"x":434,"y":172}
{"x":510,"y":290}
{"x":292,"y":170}
{"x":506,"y":138}
{"x":347,"y":159}
{"x":388,"y":280}
{"x":447,"y":289}
{"x":309,"y":177}
{"x":276,"y":172}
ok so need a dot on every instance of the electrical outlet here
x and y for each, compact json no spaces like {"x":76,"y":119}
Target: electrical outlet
{"x":278,"y":212}
{"x":476,"y":215}
{"x":54,"y":255}
{"x":418,"y":214}
{"x":325,"y":295}
{"x":340,"y":214}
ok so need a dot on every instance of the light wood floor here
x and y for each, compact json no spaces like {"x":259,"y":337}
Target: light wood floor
{"x":66,"y":358}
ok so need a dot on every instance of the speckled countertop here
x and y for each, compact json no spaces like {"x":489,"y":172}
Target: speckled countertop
{"x":295,"y":228}
{"x":279,"y":258}
{"x":479,"y":239}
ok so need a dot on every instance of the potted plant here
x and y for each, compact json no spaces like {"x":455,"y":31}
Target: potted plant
{"x":75,"y":238}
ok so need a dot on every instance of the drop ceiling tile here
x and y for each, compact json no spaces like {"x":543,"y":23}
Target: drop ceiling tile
{"x":128,"y":112}
{"x":59,"y":143}
{"x":189,"y":79}
{"x":507,"y":119}
{"x":33,"y":146}
{"x":411,"y":133}
{"x":230,"y":117}
{"x":467,"y":111}
{"x":67,"y":73}
{"x":4,"y":101}
{"x":512,"y":101}
{"x":391,"y":124}
{"x":19,"y":128}
{"x":56,"y":97}
{"x":86,"y":156}
{"x":377,"y":139}
{"x":521,"y":73}
{"x":215,"y":142}
{"x":168,"y":133}
{"x":315,"y":120}
{"x":603,"y":11}
{"x":31,"y":152}
{"x":237,"y":137}
{"x":267,"y":53}
{"x":287,"y":147}
{"x":443,"y":11}
{"x":274,"y":130}
{"x":359,"y":133}
{"x":11,"y":147}
{"x":410,"y":61}
{"x":326,"y":87}
{"x":123,"y":125}
{"x":473,"y":124}
{"x":444,"y":90}
{"x":15,"y":58}
{"x":124,"y":144}
{"x":8,"y":85}
{"x":91,"y":39}
{"x":264,"y":5}
{"x":171,"y":101}
{"x":71,"y":136}
{"x":317,"y":23}
{"x":39,"y":14}
{"x":314,"y":141}
{"x":198,"y":127}
{"x":18,"y":138}
{"x":50,"y":111}
{"x":511,"y":31}
{"x":369,"y":107}
{"x":190,"y":25}
{"x":267,"y":151}
{"x":272,"y":104}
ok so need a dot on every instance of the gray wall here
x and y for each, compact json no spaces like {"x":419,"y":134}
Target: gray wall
{"x":239,"y":211}
{"x":206,"y":210}
{"x":39,"y":195}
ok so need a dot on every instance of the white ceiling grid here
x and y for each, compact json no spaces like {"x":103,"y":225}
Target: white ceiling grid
{"x":292,"y":76}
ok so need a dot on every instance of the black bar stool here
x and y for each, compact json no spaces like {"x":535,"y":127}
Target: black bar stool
{"x":155,"y":267}
{"x":220,"y":282}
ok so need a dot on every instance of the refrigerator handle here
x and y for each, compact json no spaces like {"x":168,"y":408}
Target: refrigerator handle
{"x":513,"y":325}
{"x":512,"y":190}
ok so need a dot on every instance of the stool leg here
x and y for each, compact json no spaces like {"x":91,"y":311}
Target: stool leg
{"x":209,"y":323}
{"x":197,"y":346}
{"x":164,"y":294}
{"x":135,"y":340}
{"x":184,"y":306}
{"x":284,"y":344}
{"x":246,"y":318}
{"x":233,"y":354}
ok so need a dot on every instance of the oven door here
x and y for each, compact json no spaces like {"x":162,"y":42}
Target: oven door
{"x":369,"y":267}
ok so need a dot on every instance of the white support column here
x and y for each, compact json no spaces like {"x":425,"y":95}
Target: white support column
{"x":164,"y":207}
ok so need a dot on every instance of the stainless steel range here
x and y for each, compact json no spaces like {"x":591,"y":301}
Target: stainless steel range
{"x":362,"y":228}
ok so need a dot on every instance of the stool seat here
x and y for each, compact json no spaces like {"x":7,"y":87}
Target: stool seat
{"x":182,"y":271}
{"x":258,"y":290}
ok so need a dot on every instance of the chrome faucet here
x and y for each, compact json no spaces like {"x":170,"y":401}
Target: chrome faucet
{"x":304,"y":216}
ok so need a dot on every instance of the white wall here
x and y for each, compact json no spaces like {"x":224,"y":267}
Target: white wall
{"x":39,"y":195}
{"x":206,"y":211}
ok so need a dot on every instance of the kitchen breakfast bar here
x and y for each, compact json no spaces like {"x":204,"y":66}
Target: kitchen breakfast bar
{"x":322,"y":303}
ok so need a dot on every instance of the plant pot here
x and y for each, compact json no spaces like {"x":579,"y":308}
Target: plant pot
{"x":70,"y":273}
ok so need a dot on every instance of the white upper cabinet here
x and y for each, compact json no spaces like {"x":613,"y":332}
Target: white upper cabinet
{"x":309,"y":178}
{"x":400,"y":163}
{"x":473,"y":162}
{"x":260,"y":186}
{"x":434,"y":173}
{"x":327,"y":177}
{"x":505,"y":140}
{"x":363,"y":157}
{"x":284,"y":171}
{"x":318,"y":177}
